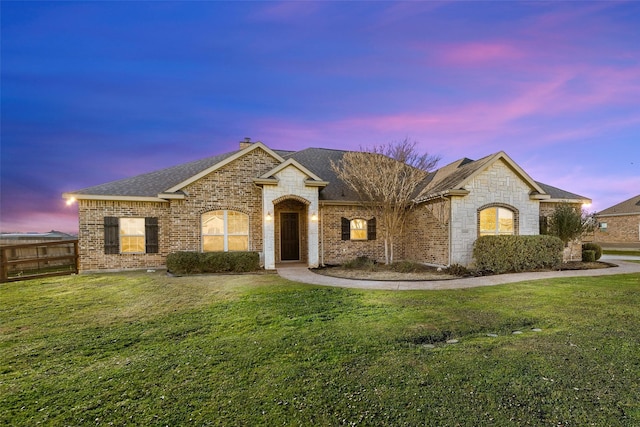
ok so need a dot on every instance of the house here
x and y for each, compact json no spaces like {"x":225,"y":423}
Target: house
{"x":619,"y":224}
{"x":290,"y":206}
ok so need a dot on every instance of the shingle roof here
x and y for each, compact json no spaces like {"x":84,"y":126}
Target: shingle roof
{"x":152,"y":183}
{"x":450,"y":177}
{"x":629,"y":207}
{"x":557,"y":193}
{"x":317,"y":160}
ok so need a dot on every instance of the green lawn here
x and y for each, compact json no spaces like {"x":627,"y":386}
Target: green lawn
{"x":620,"y":252}
{"x":145,"y":349}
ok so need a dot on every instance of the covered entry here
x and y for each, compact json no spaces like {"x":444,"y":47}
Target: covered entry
{"x":291,"y":214}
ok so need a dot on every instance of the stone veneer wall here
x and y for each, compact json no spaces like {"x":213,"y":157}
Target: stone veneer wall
{"x":91,"y":234}
{"x":335,"y":250}
{"x":498,"y":184}
{"x":620,"y":229}
{"x":426,"y":236}
{"x":291,"y":182}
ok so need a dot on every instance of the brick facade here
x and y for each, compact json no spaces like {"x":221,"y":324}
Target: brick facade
{"x":620,"y":229}
{"x":230,"y":187}
{"x":440,"y":232}
{"x":426,"y":234}
{"x":334,"y":250}
{"x":91,"y":234}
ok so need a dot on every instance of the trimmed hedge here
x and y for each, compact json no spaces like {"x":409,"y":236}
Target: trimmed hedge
{"x":588,"y":255}
{"x":592,"y":247}
{"x":507,"y":254}
{"x":212,"y":262}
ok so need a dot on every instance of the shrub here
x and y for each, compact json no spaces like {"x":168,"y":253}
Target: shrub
{"x":588,"y":255}
{"x":215,"y":262}
{"x":458,"y":270}
{"x":407,"y":266}
{"x":361,"y":262}
{"x":593,"y":247}
{"x":242,"y":262}
{"x":184,"y":262}
{"x":503,"y":254}
{"x":212,"y":262}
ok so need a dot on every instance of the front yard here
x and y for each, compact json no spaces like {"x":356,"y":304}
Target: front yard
{"x":146,"y":349}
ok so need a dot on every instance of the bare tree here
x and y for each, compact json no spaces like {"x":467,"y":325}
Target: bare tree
{"x":388,"y":179}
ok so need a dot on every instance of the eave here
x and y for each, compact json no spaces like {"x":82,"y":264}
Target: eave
{"x":103,"y":197}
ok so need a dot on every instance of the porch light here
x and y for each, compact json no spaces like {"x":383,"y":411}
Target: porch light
{"x":71,"y":201}
{"x":268,"y":216}
{"x":314,"y":216}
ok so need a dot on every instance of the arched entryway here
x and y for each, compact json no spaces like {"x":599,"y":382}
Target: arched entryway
{"x":291,"y":229}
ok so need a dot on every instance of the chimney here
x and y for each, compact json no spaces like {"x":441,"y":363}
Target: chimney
{"x":246,"y":143}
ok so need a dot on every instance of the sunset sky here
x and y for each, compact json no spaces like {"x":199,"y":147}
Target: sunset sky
{"x":97,"y":91}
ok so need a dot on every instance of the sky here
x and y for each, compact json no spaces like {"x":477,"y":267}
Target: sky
{"x":92,"y":92}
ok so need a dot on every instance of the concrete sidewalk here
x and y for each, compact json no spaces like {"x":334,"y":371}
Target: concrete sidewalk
{"x":300,"y":273}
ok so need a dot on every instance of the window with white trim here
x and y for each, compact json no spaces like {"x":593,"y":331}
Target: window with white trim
{"x":496,"y":221}
{"x":132,"y":236}
{"x":225,"y":230}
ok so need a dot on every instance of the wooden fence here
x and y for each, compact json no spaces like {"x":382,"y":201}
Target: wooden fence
{"x":31,"y":260}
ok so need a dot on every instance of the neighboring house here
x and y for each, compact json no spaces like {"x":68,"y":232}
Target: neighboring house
{"x":290,"y":206}
{"x":620,"y":223}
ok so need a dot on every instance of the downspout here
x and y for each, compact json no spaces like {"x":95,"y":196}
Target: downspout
{"x":449,"y":225}
{"x":321,"y":209}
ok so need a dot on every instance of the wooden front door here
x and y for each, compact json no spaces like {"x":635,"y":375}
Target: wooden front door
{"x":289,"y":236}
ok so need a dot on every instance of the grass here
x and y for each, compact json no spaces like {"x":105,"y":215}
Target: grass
{"x":144,"y":349}
{"x":618,"y":252}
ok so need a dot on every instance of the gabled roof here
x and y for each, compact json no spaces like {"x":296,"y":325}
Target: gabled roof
{"x":628,"y":207}
{"x":150,"y":185}
{"x":268,"y":178}
{"x":454,"y":176}
{"x":314,"y":162}
{"x":318,"y":161}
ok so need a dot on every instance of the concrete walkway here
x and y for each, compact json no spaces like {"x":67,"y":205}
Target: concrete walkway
{"x":300,"y":273}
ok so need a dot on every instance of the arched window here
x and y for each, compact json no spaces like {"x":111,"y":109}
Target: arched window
{"x":497,"y":221}
{"x":225,"y":230}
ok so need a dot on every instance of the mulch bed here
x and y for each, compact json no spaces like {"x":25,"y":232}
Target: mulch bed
{"x":383,"y":272}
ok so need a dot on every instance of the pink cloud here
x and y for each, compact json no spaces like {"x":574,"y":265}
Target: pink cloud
{"x":478,"y":53}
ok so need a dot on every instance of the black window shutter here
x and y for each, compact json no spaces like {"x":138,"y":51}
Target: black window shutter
{"x":111,"y":235}
{"x":151,"y":235}
{"x":371,"y":229}
{"x":346,"y":229}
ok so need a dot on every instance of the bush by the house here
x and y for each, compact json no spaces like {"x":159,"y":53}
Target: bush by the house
{"x":588,"y":256}
{"x":407,"y":266}
{"x":184,"y":263}
{"x":593,"y":247}
{"x":212,"y":262}
{"x":504,"y":254}
{"x":458,"y":270}
{"x":361,"y":262}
